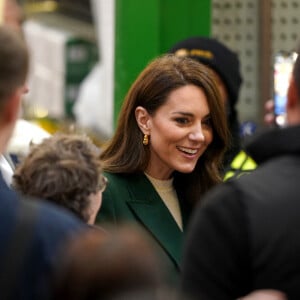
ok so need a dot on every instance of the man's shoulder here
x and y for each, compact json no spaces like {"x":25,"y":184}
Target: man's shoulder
{"x":47,"y":219}
{"x":32,"y":234}
{"x":54,"y":217}
{"x":225,"y":192}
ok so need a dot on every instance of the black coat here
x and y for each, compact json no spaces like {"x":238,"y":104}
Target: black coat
{"x":246,"y":235}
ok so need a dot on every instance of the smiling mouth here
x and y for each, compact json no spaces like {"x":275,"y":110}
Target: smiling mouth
{"x":187,"y":150}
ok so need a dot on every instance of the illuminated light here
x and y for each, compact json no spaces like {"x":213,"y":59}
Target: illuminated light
{"x":40,"y":112}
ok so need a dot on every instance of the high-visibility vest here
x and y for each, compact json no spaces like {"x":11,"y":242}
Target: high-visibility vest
{"x":241,"y":164}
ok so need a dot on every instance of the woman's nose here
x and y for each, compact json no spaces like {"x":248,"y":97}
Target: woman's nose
{"x":196,"y":133}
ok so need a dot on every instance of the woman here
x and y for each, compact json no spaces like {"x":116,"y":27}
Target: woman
{"x":166,"y":152}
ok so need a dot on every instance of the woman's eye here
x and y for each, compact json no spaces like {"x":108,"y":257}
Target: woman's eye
{"x":182,"y":120}
{"x":207,"y":122}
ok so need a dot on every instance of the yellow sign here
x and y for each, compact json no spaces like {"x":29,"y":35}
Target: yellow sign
{"x":195,"y":52}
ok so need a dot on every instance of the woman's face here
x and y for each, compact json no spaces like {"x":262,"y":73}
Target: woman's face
{"x":180,"y":131}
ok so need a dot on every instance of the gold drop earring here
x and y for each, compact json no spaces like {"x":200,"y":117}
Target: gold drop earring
{"x":145,"y":140}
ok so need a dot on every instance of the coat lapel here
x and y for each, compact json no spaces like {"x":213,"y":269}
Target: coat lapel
{"x":155,"y":216}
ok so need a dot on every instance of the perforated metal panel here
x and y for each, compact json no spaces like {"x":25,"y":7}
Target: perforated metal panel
{"x":236,"y":24}
{"x":285,"y":25}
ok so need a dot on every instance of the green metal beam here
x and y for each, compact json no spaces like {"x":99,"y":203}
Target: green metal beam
{"x":145,"y":29}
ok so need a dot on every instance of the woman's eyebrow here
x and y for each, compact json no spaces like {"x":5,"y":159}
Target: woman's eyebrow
{"x":182,"y":113}
{"x":187,"y":114}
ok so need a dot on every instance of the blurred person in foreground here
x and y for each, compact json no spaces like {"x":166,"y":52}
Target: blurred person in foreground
{"x":225,"y":66}
{"x":121,"y":265}
{"x":63,"y":169}
{"x":31,"y":233}
{"x":166,"y":152}
{"x":245,"y":235}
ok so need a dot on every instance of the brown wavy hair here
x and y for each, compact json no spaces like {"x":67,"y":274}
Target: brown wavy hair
{"x":125,"y":152}
{"x":64,"y":169}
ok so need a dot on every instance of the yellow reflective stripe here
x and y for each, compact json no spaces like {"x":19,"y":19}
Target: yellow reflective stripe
{"x":238,"y":160}
{"x":228,"y":175}
{"x":250,"y":164}
{"x":241,"y":164}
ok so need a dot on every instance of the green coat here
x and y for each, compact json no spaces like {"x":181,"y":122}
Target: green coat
{"x":132,"y":198}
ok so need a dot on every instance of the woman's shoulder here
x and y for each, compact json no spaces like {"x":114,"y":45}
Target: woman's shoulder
{"x":124,"y":177}
{"x":124,"y":182}
{"x":114,"y":177}
{"x":116,"y":181}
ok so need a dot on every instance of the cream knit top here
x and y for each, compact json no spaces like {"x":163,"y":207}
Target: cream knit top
{"x":166,"y":191}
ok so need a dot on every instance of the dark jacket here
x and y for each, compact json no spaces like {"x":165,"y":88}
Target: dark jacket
{"x":132,"y":198}
{"x":27,"y":256}
{"x":246,"y":234}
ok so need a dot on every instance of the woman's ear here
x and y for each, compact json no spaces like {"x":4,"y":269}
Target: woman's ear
{"x":143,"y":119}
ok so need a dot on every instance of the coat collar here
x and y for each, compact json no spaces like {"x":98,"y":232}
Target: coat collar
{"x":274,"y":142}
{"x":155,"y":216}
